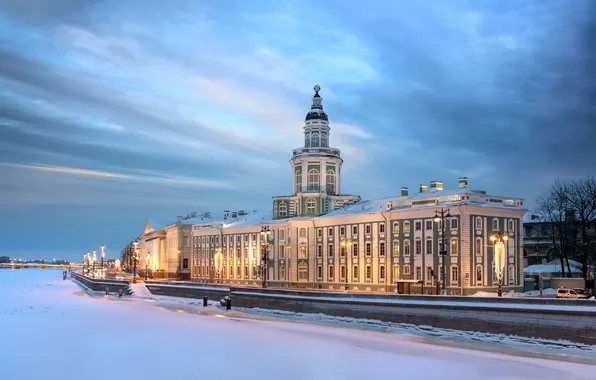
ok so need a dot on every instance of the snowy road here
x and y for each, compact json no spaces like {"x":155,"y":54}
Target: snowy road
{"x":54,"y":330}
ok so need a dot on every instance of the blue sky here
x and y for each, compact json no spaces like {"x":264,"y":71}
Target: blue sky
{"x":112,"y":112}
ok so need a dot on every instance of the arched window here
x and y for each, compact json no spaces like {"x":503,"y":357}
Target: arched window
{"x":324,"y":142}
{"x":298,"y":181}
{"x":302,"y":272}
{"x":283,"y":210}
{"x":478,"y":223}
{"x":313,"y":180}
{"x":330,"y":181}
{"x":311,"y":206}
{"x":307,"y":139}
{"x":314,"y":140}
{"x":479,"y":246}
{"x":478,"y":275}
{"x":495,"y":224}
{"x":511,"y":274}
{"x":511,"y":225}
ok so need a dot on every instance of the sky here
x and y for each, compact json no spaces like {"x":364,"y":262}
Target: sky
{"x":113,"y":112}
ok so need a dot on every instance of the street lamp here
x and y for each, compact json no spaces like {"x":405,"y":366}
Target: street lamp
{"x":88,"y":262}
{"x":135,"y":258}
{"x":147,"y":262}
{"x":218,"y":261}
{"x":94,"y":260}
{"x":102,"y":256}
{"x":345,"y":244}
{"x":442,"y":216}
{"x":265,"y":232}
{"x":499,"y":257}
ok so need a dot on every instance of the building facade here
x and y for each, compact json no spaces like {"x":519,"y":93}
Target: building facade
{"x":321,"y":238}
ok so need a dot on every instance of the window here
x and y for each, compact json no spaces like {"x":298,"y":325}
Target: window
{"x":331,"y":272}
{"x":313,"y":180}
{"x":407,"y":248}
{"x":323,"y":139}
{"x":454,"y":247}
{"x":184,"y":263}
{"x":478,"y":223}
{"x":406,"y":227}
{"x":283,"y":209}
{"x":382,"y":272}
{"x":510,"y":225}
{"x":320,"y":250}
{"x":355,"y":273}
{"x":282,"y":234}
{"x":429,"y":224}
{"x":418,"y":273}
{"x":254,"y":272}
{"x":368,"y":272}
{"x":368,"y":252}
{"x":395,"y":248}
{"x":478,"y":274}
{"x":429,"y":273}
{"x":282,"y":271}
{"x":511,"y":275}
{"x":382,"y":228}
{"x":282,"y":251}
{"x":330,"y":181}
{"x":395,"y":227}
{"x":396,"y":272}
{"x":238,"y":253}
{"x":418,"y":247}
{"x":302,"y":232}
{"x":330,"y":231}
{"x":495,"y":224}
{"x":302,"y":252}
{"x":454,"y":222}
{"x":479,"y":246}
{"x":367,"y":229}
{"x":302,"y":272}
{"x":246,"y":271}
{"x":311,"y":206}
{"x":314,"y":140}
{"x":454,"y":274}
{"x":382,"y":248}
{"x":342,"y":231}
{"x":319,"y":272}
{"x":354,"y":230}
{"x":429,"y":246}
{"x":330,"y":251}
{"x":355,"y":249}
{"x":342,"y":272}
{"x":406,"y":270}
{"x":238,"y":271}
{"x":342,"y":250}
{"x":418,"y":226}
{"x":320,"y":232}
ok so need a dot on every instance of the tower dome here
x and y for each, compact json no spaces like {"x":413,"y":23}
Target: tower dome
{"x":316,"y":109}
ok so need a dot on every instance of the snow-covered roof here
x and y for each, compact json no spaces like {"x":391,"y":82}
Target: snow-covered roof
{"x":548,"y":268}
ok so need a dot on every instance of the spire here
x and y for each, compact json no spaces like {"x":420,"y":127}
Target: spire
{"x":316,"y":107}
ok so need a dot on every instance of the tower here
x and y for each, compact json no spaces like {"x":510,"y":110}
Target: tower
{"x":316,"y":170}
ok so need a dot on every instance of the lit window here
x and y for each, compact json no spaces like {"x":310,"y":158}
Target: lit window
{"x":454,"y":247}
{"x":396,"y":272}
{"x":406,"y":227}
{"x":395,"y":227}
{"x":302,"y":252}
{"x":406,"y":270}
{"x":407,"y":248}
{"x":395,"y":248}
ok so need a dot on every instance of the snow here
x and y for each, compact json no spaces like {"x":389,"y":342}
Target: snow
{"x":53,"y":329}
{"x":548,"y":268}
{"x":547,"y":293}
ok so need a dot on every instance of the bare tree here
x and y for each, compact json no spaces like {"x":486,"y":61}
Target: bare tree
{"x":582,"y":199}
{"x":552,"y":208}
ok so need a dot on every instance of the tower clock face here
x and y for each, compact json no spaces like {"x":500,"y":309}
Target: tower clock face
{"x":317,"y":88}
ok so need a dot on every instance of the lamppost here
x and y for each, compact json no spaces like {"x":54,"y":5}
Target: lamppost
{"x":345,"y":244}
{"x":265,"y":232}
{"x":147,"y":262}
{"x":102,"y":256}
{"x":442,"y":216}
{"x":88,"y":262}
{"x":499,"y":257}
{"x":218,"y":262}
{"x":94,"y":260}
{"x":135,"y":258}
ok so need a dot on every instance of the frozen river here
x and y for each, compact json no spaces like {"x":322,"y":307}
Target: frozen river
{"x":52,"y":329}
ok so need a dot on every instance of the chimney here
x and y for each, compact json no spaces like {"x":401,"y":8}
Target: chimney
{"x":404,"y":192}
{"x":462,"y":183}
{"x":436,"y":186}
{"x":422,"y":188}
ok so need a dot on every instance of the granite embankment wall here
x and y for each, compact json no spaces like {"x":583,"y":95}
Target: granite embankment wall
{"x":100,"y":285}
{"x":573,"y":320}
{"x":188,"y":290}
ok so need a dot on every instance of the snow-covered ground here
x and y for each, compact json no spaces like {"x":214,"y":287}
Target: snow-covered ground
{"x":546,"y":293}
{"x":53,"y":329}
